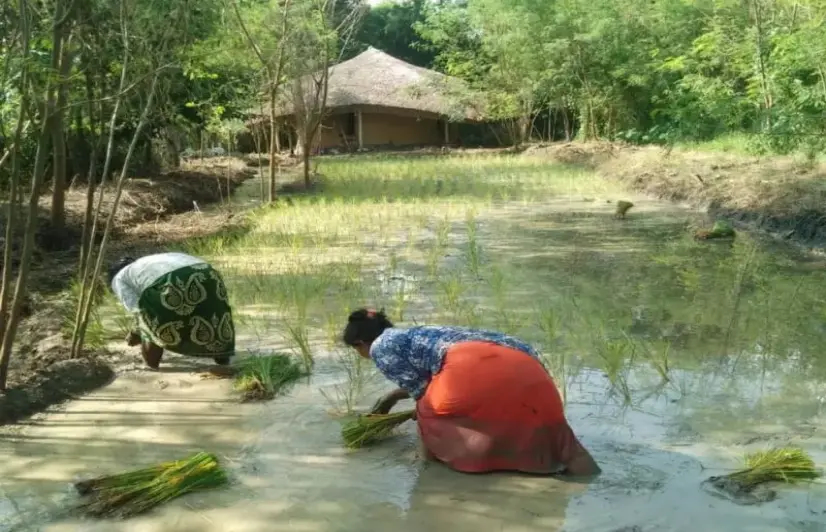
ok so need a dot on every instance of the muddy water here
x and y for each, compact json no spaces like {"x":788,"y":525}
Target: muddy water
{"x":744,"y":372}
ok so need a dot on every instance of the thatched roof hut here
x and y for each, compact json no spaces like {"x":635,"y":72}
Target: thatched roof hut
{"x":375,"y":99}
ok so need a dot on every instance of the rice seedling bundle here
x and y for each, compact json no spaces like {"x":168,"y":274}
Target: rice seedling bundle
{"x":135,"y":492}
{"x":262,"y":377}
{"x":787,"y":465}
{"x":367,"y":429}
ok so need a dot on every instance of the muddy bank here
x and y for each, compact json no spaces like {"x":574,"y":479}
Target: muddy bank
{"x":154,"y":213}
{"x":778,"y":195}
{"x":53,"y":384}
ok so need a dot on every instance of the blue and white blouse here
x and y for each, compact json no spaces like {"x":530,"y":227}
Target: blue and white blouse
{"x":410,"y":357}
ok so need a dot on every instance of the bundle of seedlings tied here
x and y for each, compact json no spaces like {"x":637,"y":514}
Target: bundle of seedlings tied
{"x":721,"y":230}
{"x":263,"y":377}
{"x":787,"y":465}
{"x":135,"y":492}
{"x":370,"y":428}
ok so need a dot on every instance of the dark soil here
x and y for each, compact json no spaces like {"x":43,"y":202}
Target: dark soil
{"x":55,"y":383}
{"x":780,"y":195}
{"x":155,"y":213}
{"x":728,"y":488}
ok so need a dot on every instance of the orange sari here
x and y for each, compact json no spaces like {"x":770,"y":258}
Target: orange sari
{"x":494,"y":408}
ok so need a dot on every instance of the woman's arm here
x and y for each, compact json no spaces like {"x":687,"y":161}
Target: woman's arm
{"x":386,"y":403}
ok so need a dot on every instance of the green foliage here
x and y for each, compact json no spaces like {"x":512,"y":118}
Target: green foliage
{"x":390,"y":27}
{"x":645,"y":72}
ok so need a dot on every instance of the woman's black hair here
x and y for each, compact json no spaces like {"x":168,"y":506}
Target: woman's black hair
{"x":364,"y":326}
{"x":117,"y":266}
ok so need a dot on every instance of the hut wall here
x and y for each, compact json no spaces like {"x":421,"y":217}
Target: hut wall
{"x":382,"y":129}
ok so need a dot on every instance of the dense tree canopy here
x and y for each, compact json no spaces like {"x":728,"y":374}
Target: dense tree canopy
{"x":642,"y":70}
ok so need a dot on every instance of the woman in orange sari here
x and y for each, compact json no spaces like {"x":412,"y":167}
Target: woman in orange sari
{"x":484,"y":401}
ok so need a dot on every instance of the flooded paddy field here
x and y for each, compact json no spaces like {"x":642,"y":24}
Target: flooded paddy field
{"x":675,"y":358}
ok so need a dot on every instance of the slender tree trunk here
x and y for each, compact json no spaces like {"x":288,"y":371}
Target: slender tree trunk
{"x":13,"y":319}
{"x":61,"y":65}
{"x":256,"y":131}
{"x":760,"y":52}
{"x":14,"y":201}
{"x":305,"y":157}
{"x":85,"y":261}
{"x":88,"y":238}
{"x":273,"y":143}
{"x":84,"y":322}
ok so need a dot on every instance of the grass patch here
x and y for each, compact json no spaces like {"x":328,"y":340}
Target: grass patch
{"x":368,"y":429}
{"x":261,"y":378}
{"x":136,"y":492}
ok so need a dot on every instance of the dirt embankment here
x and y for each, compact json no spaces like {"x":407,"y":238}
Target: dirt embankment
{"x":154,"y":213}
{"x":779,"y":195}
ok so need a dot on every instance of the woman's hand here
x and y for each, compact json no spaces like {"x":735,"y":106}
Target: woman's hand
{"x":386,"y":403}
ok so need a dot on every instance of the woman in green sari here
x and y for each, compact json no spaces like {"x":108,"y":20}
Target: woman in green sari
{"x":180,"y":303}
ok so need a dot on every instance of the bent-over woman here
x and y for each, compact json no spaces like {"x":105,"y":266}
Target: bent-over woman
{"x":180,"y":303}
{"x":484,"y":401}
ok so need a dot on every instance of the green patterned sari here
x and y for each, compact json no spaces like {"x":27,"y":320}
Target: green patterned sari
{"x":187,"y":312}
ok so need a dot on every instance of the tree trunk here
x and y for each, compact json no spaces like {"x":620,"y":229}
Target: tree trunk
{"x":88,"y":238}
{"x":761,"y":54}
{"x":273,"y":143}
{"x":80,"y":328}
{"x":86,"y":260}
{"x":14,"y":202}
{"x":305,"y":157}
{"x":61,"y":64}
{"x":21,"y":285}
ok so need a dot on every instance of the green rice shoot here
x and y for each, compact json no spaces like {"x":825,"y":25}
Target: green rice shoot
{"x":261,"y":378}
{"x":787,"y":465}
{"x":367,"y":429}
{"x":132,"y":493}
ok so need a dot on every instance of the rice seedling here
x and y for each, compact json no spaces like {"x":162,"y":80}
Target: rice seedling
{"x":96,"y":335}
{"x":443,"y":233}
{"x":452,"y":291}
{"x":400,"y":300}
{"x":263,"y":377}
{"x":788,"y":465}
{"x":124,"y":321}
{"x":300,"y":337}
{"x":371,"y":428}
{"x":332,"y":329}
{"x":616,"y":357}
{"x":345,"y":396}
{"x":394,"y":264}
{"x":469,"y":315}
{"x":548,"y":320}
{"x":473,"y":254}
{"x":136,"y":492}
{"x":434,"y":256}
{"x":507,"y":321}
{"x":659,"y":360}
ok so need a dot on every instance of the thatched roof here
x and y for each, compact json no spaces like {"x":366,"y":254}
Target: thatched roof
{"x":376,"y":79}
